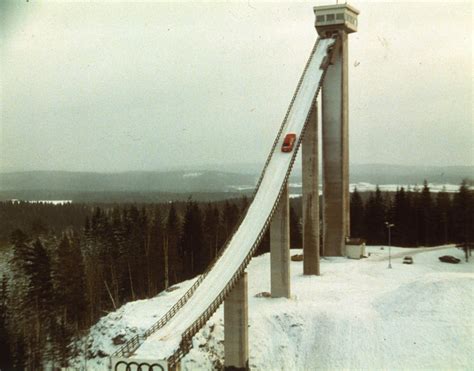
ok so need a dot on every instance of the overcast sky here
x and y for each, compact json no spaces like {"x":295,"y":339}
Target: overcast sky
{"x":109,"y":86}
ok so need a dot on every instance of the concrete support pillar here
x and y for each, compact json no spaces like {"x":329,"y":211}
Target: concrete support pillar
{"x":176,"y":367}
{"x":336,"y":152}
{"x":311,"y":196}
{"x":280,"y":248}
{"x":236,"y":338}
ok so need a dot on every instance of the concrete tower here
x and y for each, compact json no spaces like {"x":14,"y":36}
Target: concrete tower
{"x":340,"y":20}
{"x":310,"y":161}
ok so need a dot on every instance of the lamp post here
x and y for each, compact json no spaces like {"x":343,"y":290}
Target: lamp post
{"x":389,"y":227}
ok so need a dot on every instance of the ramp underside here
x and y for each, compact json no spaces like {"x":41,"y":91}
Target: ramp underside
{"x":166,"y":340}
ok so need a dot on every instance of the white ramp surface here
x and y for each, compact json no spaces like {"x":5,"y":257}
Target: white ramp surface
{"x":166,"y":340}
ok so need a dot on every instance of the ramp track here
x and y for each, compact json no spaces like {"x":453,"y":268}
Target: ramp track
{"x":170,"y":338}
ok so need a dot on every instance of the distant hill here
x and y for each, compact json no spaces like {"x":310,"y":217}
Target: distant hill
{"x":173,"y":181}
{"x":65,"y":185}
{"x":402,"y":174}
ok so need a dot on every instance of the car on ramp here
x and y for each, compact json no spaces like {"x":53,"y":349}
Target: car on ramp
{"x":288,"y":142}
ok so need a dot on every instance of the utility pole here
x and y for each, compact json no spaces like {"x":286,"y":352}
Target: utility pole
{"x":389,"y":227}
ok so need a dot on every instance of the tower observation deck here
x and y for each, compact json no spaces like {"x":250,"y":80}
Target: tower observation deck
{"x":333,"y":18}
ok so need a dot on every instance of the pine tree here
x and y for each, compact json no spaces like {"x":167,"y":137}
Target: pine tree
{"x":69,"y":297}
{"x":191,"y":243}
{"x":157,"y":263}
{"x":425,"y":216}
{"x":171,"y":246}
{"x":413,"y":220}
{"x":20,"y":310}
{"x":6,"y":359}
{"x":245,"y":205}
{"x":400,"y":217}
{"x":69,"y":280}
{"x":34,"y":296}
{"x":443,"y":217}
{"x":211,"y":232}
{"x":132,"y":254}
{"x":230,"y":217}
{"x":264,"y":245}
{"x":357,"y":215}
{"x":463,"y":210}
{"x":95,"y":253}
{"x":118,"y":241}
{"x":296,"y":239}
{"x":142,"y":275}
{"x":42,"y":295}
{"x":38,"y":228}
{"x":375,"y":218}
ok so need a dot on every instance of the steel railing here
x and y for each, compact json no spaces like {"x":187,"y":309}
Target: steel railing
{"x":186,"y":341}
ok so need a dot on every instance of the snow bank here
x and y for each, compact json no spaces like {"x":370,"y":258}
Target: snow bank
{"x":129,"y":320}
{"x":357,"y":315}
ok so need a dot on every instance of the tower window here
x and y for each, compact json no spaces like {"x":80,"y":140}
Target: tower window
{"x":330,"y":17}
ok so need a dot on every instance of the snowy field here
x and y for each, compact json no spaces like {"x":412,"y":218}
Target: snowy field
{"x":357,"y":315}
{"x":53,"y":202}
{"x":368,"y":187}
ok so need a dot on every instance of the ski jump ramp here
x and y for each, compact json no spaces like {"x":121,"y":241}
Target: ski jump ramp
{"x":170,"y":338}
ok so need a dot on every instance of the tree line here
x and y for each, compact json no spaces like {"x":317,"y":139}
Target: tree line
{"x":60,"y":284}
{"x":73,"y":263}
{"x":35,"y":217}
{"x":421,"y":218}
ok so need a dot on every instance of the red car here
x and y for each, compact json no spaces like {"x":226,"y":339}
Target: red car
{"x":288,"y":143}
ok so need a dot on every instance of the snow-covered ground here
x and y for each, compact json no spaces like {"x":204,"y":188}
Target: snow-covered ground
{"x":357,"y":315}
{"x":368,"y":187}
{"x":365,"y":187}
{"x":192,"y":175}
{"x":54,"y":202}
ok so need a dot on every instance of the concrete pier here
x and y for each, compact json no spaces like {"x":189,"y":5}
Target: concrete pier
{"x":236,"y":338}
{"x":335,"y":134}
{"x":280,"y":248}
{"x":310,"y":158}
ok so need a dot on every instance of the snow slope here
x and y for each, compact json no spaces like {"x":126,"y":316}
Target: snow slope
{"x":357,"y":315}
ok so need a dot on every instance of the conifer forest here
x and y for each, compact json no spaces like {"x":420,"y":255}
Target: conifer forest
{"x":64,"y":266}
